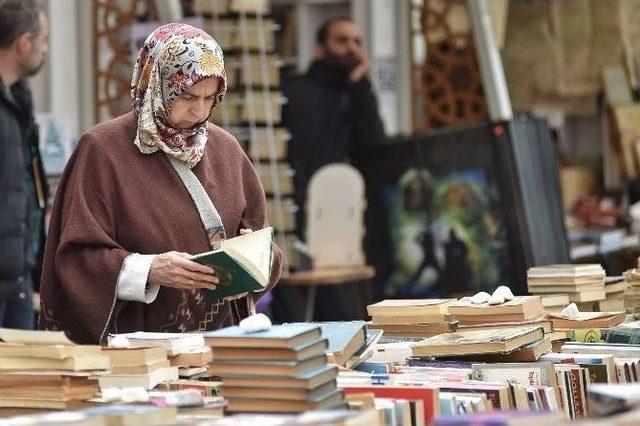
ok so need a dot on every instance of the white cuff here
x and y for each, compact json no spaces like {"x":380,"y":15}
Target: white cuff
{"x":133,"y":279}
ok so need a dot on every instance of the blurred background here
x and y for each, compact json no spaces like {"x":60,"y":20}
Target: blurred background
{"x":510,"y":133}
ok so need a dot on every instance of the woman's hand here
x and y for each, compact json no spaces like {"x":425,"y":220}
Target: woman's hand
{"x":177,"y":270}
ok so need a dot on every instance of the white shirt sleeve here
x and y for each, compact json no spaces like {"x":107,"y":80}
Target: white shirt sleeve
{"x":132,"y":281}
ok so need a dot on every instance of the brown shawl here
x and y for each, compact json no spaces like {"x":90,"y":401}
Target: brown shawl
{"x":113,"y":201}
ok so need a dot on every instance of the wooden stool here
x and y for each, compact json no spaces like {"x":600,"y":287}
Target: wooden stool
{"x":326,"y":277}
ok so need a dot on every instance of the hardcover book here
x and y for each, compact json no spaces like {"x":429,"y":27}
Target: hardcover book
{"x":242,"y":263}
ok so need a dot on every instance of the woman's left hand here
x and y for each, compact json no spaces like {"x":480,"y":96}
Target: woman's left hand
{"x":245,"y":231}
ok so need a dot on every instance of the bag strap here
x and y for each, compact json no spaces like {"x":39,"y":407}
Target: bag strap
{"x":213,"y":226}
{"x":209,"y":215}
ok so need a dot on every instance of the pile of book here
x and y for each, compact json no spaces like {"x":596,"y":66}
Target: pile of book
{"x":144,"y":362}
{"x":282,"y":369}
{"x":559,"y":386}
{"x":520,"y":311}
{"x":554,"y":303}
{"x":524,"y":343}
{"x":582,"y":320}
{"x":193,"y":364}
{"x":45,"y":370}
{"x":619,"y":347}
{"x":418,"y":318}
{"x":632,"y":294}
{"x":349,"y":342}
{"x":137,"y":367}
{"x":458,"y":388}
{"x":615,"y":289}
{"x":582,"y":283}
{"x":211,"y":404}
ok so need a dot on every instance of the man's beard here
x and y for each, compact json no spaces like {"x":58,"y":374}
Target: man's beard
{"x":341,"y":64}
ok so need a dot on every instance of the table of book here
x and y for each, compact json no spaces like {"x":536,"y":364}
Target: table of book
{"x":511,"y":363}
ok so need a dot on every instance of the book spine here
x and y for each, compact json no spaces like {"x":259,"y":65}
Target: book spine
{"x":587,"y":335}
{"x":562,"y":393}
{"x":576,"y":391}
{"x":620,"y":373}
{"x":624,"y":336}
{"x":569,"y":395}
{"x":586,"y":382}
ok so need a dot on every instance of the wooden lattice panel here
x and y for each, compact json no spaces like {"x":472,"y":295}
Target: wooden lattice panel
{"x":112,"y":58}
{"x":451,"y":85}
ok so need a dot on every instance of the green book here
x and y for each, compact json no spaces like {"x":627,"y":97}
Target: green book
{"x":242,"y":263}
{"x":627,"y":336}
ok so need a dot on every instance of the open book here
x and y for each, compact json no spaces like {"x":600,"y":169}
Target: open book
{"x":242,"y":263}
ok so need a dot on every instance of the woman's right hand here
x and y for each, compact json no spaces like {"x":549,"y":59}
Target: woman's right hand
{"x":177,"y":270}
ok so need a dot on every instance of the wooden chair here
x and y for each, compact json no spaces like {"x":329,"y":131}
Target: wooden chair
{"x":335,"y":229}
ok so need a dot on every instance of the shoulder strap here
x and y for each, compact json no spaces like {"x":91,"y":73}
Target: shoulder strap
{"x":209,"y":215}
{"x":213,"y":226}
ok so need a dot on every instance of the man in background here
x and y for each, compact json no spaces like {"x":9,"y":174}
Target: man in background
{"x":332,"y":113}
{"x":331,"y":110}
{"x":23,"y":47}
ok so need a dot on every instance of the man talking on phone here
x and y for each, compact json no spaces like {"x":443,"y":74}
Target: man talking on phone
{"x":332,"y":111}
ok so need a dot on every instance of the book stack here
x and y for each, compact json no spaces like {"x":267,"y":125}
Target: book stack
{"x":145,"y":361}
{"x":632,"y":294}
{"x":573,"y":382}
{"x":602,"y":367}
{"x":280,"y":370}
{"x":423,"y":399}
{"x":348,"y":341}
{"x":137,"y":367}
{"x":585,"y":320}
{"x":45,"y":370}
{"x":534,"y":385}
{"x":389,"y":411}
{"x":520,"y":311}
{"x":418,"y":318}
{"x":478,"y":342}
{"x":554,"y":303}
{"x":192,"y":364}
{"x":625,"y":356}
{"x":615,"y":289}
{"x":582,"y":283}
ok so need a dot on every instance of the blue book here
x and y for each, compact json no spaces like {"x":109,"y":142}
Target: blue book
{"x":277,"y":336}
{"x":345,"y":338}
{"x":374,"y":367}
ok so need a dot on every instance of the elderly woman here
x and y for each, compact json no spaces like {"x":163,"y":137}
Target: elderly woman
{"x":142,"y":191}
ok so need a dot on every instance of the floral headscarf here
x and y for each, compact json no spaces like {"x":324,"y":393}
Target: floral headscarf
{"x":174,"y":58}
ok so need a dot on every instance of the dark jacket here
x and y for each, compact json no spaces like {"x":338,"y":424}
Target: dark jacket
{"x":329,"y":120}
{"x":21,"y":210}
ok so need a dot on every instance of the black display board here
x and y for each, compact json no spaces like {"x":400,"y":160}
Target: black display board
{"x":463,"y":209}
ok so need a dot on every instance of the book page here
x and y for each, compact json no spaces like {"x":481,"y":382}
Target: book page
{"x":255,"y":248}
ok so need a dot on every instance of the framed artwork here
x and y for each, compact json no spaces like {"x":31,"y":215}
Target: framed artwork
{"x":445,"y":214}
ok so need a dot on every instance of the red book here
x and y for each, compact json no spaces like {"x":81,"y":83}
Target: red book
{"x":427,"y":394}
